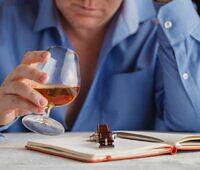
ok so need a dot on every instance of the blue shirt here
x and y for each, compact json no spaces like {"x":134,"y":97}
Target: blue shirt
{"x":148,"y":69}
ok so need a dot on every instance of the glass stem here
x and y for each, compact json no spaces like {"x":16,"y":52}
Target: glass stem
{"x":48,"y":110}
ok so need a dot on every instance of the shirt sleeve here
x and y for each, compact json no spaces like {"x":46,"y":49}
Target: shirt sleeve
{"x":2,"y":128}
{"x":179,"y":58}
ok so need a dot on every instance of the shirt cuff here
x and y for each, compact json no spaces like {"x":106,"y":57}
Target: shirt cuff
{"x":177,"y":19}
{"x":4,"y":127}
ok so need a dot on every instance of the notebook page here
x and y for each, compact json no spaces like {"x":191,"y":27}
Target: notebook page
{"x":81,"y":145}
{"x":169,"y":137}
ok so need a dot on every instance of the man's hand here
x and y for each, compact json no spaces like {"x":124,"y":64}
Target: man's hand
{"x":17,"y":94}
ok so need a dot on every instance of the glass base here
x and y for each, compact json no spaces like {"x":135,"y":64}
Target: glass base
{"x":43,"y":125}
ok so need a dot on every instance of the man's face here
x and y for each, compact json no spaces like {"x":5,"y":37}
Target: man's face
{"x":88,"y":14}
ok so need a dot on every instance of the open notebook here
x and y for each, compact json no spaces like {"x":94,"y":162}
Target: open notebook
{"x":130,"y":144}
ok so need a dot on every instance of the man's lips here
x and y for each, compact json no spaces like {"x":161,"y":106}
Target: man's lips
{"x":88,"y":8}
{"x":87,"y":11}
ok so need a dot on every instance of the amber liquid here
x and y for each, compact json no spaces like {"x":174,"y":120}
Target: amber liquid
{"x":58,"y":95}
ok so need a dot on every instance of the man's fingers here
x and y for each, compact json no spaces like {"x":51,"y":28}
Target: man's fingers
{"x":23,"y":112}
{"x":36,"y":57}
{"x":13,"y":102}
{"x":21,"y":89}
{"x":28,"y":72}
{"x":29,"y":82}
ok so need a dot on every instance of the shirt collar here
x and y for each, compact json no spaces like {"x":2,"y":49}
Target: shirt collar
{"x":145,"y":10}
{"x":133,"y":12}
{"x":125,"y":23}
{"x":47,"y":16}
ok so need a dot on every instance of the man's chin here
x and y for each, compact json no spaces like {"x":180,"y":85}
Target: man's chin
{"x":88,"y":25}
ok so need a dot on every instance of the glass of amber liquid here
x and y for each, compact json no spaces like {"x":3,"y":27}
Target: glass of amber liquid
{"x":62,"y":88}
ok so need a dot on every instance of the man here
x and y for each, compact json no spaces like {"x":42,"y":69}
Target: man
{"x":139,"y":64}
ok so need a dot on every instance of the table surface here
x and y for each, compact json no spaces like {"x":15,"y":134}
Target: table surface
{"x":13,"y":155}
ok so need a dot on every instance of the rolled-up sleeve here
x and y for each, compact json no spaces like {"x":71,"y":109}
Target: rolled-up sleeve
{"x":2,"y":128}
{"x":179,"y":57}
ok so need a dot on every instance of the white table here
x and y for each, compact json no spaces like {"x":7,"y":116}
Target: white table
{"x":13,"y":156}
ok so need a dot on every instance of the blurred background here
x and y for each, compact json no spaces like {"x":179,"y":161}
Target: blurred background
{"x":197,"y":2}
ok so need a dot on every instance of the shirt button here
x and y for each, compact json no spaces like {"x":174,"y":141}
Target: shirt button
{"x":185,"y":76}
{"x":168,"y":24}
